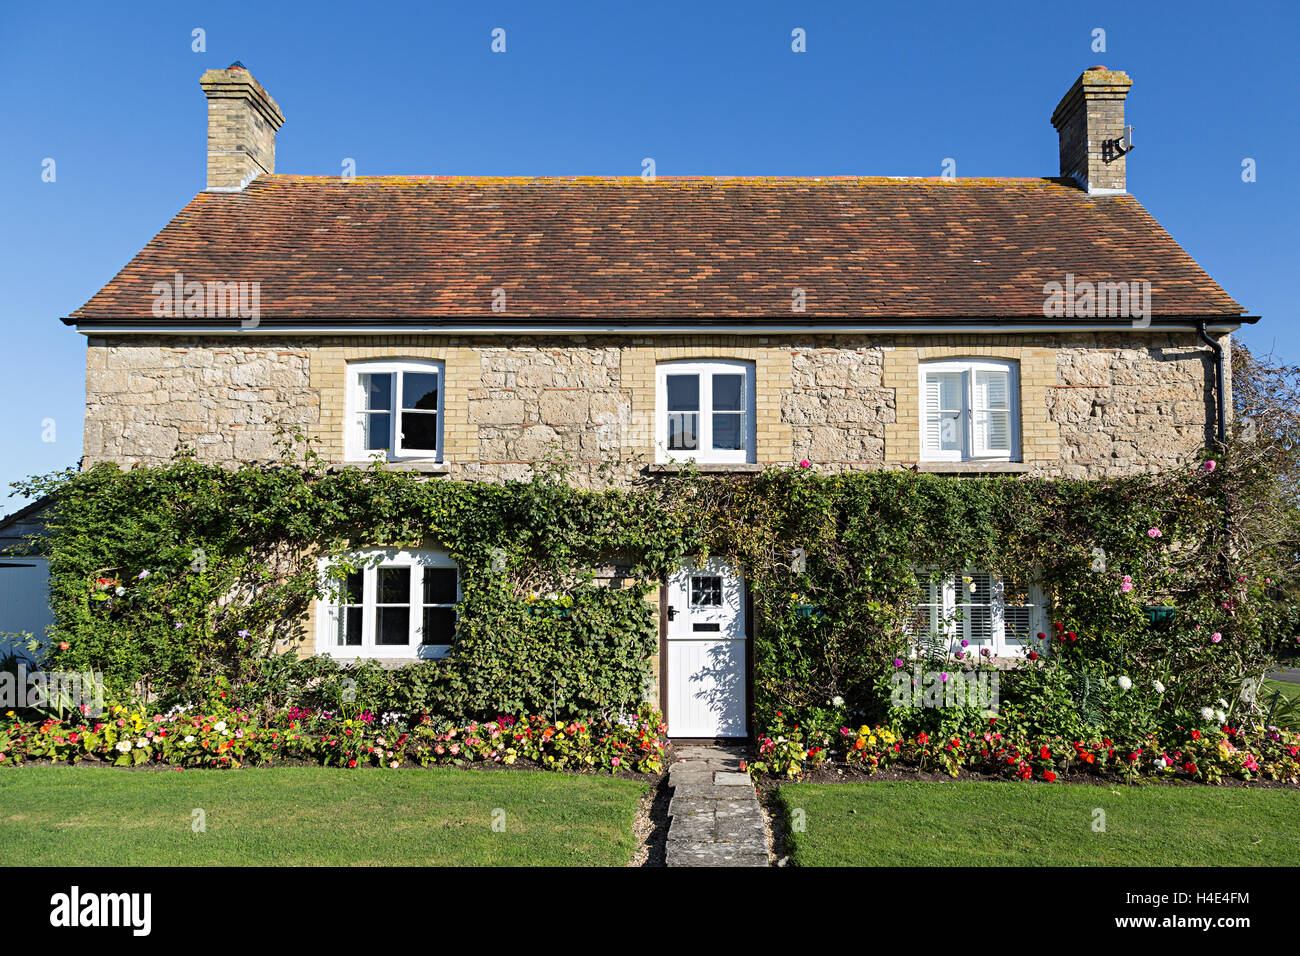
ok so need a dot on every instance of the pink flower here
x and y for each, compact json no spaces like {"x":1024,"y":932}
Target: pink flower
{"x":1153,"y":533}
{"x":1216,"y":637}
{"x":1211,"y":465}
{"x":805,"y":463}
{"x":1126,"y":584}
{"x":898,"y":662}
{"x":616,"y":761}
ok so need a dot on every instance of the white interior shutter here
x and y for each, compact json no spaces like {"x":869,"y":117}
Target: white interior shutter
{"x":1017,"y":616}
{"x":943,"y":412}
{"x":992,"y":412}
{"x":975,"y":604}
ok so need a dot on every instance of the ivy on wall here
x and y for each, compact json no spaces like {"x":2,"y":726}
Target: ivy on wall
{"x":174,"y":580}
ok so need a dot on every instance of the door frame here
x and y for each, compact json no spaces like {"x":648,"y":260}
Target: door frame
{"x":664,"y":703}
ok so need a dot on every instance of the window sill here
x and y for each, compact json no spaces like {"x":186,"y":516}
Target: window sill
{"x":423,"y":467}
{"x":387,"y":663}
{"x":973,"y":467}
{"x":704,"y":467}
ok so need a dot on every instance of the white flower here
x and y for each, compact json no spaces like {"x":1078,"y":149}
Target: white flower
{"x":142,"y":743}
{"x":1160,"y":688}
{"x":119,"y":590}
{"x":219,"y":726}
{"x":1221,"y":702}
{"x":1125,"y":683}
{"x":189,"y":738}
{"x":124,"y":746}
{"x":1207,"y":713}
{"x":837,"y":701}
{"x":1160,"y":762}
{"x":1220,"y":716}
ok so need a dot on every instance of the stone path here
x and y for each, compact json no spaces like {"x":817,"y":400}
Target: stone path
{"x":715,"y":819}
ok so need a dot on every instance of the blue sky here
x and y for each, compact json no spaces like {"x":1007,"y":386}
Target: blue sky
{"x":110,"y":92}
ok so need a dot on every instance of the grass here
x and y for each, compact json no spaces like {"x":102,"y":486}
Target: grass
{"x":60,"y":816}
{"x":1009,"y":824}
{"x":1288,"y":705}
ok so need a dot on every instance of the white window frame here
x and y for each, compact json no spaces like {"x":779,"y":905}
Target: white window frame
{"x":968,"y":368}
{"x":327,"y":609}
{"x":706,"y":453}
{"x":353,"y":435}
{"x":939,"y":593}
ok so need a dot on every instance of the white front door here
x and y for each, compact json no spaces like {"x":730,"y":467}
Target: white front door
{"x":706,"y":652}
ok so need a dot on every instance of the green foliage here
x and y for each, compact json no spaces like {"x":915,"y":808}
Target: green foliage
{"x":171,"y":581}
{"x":1088,"y":544}
{"x":175,"y":581}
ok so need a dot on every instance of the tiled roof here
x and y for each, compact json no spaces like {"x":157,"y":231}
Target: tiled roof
{"x":427,"y":246}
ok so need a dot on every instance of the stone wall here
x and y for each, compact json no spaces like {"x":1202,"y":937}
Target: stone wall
{"x":225,"y":399}
{"x":1091,"y":405}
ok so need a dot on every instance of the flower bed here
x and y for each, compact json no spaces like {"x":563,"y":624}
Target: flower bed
{"x":1245,"y":753}
{"x":227,"y":738}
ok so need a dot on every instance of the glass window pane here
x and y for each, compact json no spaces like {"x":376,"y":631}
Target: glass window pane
{"x":706,"y":590}
{"x":352,"y":588}
{"x":392,"y":625}
{"x":439,"y":625}
{"x":729,"y":430}
{"x":950,"y":431}
{"x":376,"y":391}
{"x":350,"y":627}
{"x":375,"y":431}
{"x":683,"y":393}
{"x":419,"y":430}
{"x":683,"y":428}
{"x":394,"y":586}
{"x":420,"y":390}
{"x":728,"y":393}
{"x":949,"y":391}
{"x":439,"y":586}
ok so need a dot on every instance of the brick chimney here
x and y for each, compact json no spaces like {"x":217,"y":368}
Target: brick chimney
{"x":1090,"y":121}
{"x":242,"y":120}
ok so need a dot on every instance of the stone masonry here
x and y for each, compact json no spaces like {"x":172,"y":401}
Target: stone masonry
{"x":1091,"y":404}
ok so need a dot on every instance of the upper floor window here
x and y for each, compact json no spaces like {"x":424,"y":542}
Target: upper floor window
{"x":705,"y":411}
{"x":394,"y":410}
{"x":400,"y":604}
{"x":970,"y":410}
{"x":995,"y":616}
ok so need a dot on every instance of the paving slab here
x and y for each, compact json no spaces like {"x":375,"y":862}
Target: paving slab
{"x":714,"y":815}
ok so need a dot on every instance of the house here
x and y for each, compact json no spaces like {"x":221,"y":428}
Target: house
{"x":470,"y":328}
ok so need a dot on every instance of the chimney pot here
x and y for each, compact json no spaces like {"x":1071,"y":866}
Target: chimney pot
{"x":242,"y":122}
{"x":1090,"y":123}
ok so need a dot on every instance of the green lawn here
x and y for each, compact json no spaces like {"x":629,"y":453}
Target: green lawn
{"x":314,"y":816}
{"x":1009,"y":824}
{"x":1284,"y":714}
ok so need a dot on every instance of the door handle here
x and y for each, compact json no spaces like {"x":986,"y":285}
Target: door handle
{"x":672,"y":612}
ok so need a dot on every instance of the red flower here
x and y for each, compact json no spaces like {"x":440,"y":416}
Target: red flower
{"x":1196,"y":735}
{"x":1044,"y":753}
{"x":1042,"y":636}
{"x":922,"y":738}
{"x":1189,"y":767}
{"x":1049,"y":776}
{"x":1033,"y":655}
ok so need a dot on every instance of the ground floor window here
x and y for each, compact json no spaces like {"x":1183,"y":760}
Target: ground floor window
{"x":390,"y":604}
{"x":995,"y":616}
